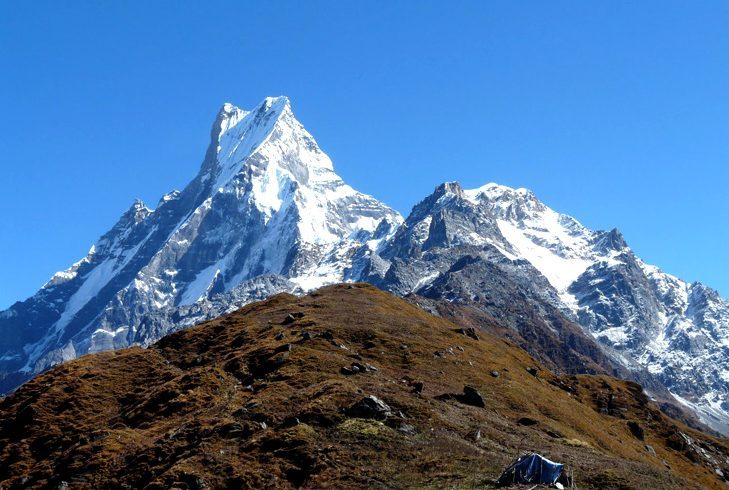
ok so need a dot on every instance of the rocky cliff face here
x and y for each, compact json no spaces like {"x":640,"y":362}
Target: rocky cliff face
{"x":266,"y":213}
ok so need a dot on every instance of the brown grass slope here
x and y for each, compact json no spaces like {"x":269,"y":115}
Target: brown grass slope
{"x":253,"y":400}
{"x":564,"y":350}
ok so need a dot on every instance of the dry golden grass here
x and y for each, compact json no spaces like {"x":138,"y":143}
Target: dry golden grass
{"x":228,"y":404}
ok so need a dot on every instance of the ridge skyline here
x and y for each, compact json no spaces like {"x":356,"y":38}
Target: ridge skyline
{"x":285,"y":102}
{"x":618,"y":130}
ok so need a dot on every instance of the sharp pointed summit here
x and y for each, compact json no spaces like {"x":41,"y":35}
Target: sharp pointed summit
{"x":266,"y":203}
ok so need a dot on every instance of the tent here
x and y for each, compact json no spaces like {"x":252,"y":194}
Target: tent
{"x":531,"y":468}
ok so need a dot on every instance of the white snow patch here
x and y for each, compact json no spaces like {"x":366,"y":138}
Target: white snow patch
{"x":196,"y":290}
{"x":616,"y":335}
{"x":559,"y":271}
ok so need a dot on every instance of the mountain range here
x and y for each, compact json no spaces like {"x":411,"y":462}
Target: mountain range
{"x":267,"y":214}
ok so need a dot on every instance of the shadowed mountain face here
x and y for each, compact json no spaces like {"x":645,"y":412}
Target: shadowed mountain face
{"x":267,"y":214}
{"x":347,"y":387}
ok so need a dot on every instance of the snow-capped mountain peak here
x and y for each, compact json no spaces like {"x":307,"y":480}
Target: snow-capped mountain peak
{"x":266,"y":130}
{"x":556,"y":244}
{"x":643,"y":317}
{"x":265,"y":203}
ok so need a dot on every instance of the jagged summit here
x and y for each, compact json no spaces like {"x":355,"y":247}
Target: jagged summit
{"x":266,"y":202}
{"x":467,"y":245}
{"x":493,"y":190}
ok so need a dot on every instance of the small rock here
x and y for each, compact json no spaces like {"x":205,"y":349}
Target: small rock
{"x":288,"y":320}
{"x":406,"y":428}
{"x":476,"y":435}
{"x":468,"y":332}
{"x":439,"y":353}
{"x":365,"y":368}
{"x":250,"y":405}
{"x":650,"y":449}
{"x":234,"y":430}
{"x":292,"y":317}
{"x":370,"y":407}
{"x":289,"y":422}
{"x":357,"y":367}
{"x":277,"y":360}
{"x":495,"y":374}
{"x":284,"y":348}
{"x":348,"y":371}
{"x":328,"y":335}
{"x":403,"y":347}
{"x":418,"y":386}
{"x":553,"y":434}
{"x":636,"y":430}
{"x":280,"y":336}
{"x":533,"y":371}
{"x":306,"y":335}
{"x":98,"y":435}
{"x":471,"y":396}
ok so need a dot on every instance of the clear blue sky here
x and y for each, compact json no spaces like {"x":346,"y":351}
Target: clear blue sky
{"x":614,"y":112}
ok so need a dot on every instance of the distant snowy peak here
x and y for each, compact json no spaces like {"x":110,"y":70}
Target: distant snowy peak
{"x":642,"y":316}
{"x":272,"y":205}
{"x":265,"y":202}
{"x":267,"y":157}
{"x":445,"y":219}
{"x":265,"y":131}
{"x":556,"y":244}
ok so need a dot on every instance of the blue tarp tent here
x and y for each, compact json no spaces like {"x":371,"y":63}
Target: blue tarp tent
{"x":531,"y":468}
